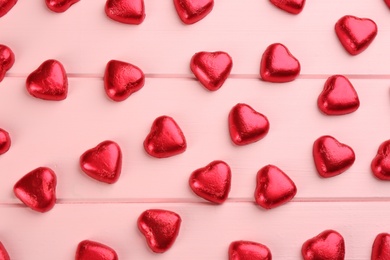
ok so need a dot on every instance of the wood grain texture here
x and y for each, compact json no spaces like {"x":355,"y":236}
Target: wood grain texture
{"x":84,"y":39}
{"x":55,"y":134}
{"x":206,"y":231}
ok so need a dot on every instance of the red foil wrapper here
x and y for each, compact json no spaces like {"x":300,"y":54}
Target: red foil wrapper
{"x":5,"y":141}
{"x":381,"y":247}
{"x":192,"y":11}
{"x":290,"y":6}
{"x":7,"y":60}
{"x":248,"y":250}
{"x":212,"y":182}
{"x":48,"y":81}
{"x":355,"y":34}
{"x":60,"y":6}
{"x":331,"y":157}
{"x":91,"y":250}
{"x":3,"y":253}
{"x":380,"y":165}
{"x":103,"y":162}
{"x":165,"y":138}
{"x":278,"y":64}
{"x":211,"y":68}
{"x":327,"y":245}
{"x":160,"y":228}
{"x":126,"y":11}
{"x":37,"y":189}
{"x":274,"y":188}
{"x":6,"y":5}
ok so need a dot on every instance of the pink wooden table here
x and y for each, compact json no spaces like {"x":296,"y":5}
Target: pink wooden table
{"x":55,"y":134}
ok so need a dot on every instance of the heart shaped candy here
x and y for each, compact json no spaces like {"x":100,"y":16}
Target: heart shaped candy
{"x":103,"y":162}
{"x":380,"y":165}
{"x":3,"y":253}
{"x":211,"y":68}
{"x":5,"y":141}
{"x":212,"y":182}
{"x":160,"y":228}
{"x":278,"y":64}
{"x":37,"y":189}
{"x":327,"y":245}
{"x":381,"y":247}
{"x":165,"y":138}
{"x":248,"y":250}
{"x":338,"y":97}
{"x":355,"y":34}
{"x":331,"y":157}
{"x":291,"y":6}
{"x":274,"y":187}
{"x":6,"y":5}
{"x":48,"y":81}
{"x":126,"y":11}
{"x":60,"y":6}
{"x":192,"y":11}
{"x":91,"y":250}
{"x":122,"y":79}
{"x":246,"y":125}
{"x":7,"y":60}
{"x":388,"y":3}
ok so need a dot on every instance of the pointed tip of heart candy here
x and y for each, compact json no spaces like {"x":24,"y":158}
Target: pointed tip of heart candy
{"x":192,"y":11}
{"x":380,"y":165}
{"x":3,"y":253}
{"x":278,"y":65}
{"x":211,"y":68}
{"x":355,"y":34}
{"x":241,"y":250}
{"x":125,"y":11}
{"x":48,"y":82}
{"x":103,"y":162}
{"x":7,"y":60}
{"x":338,"y":97}
{"x":5,"y":141}
{"x":273,"y":187}
{"x":381,"y":247}
{"x":88,"y":250}
{"x":6,"y":6}
{"x":122,"y":79}
{"x":165,"y":138}
{"x":246,"y":125}
{"x":60,"y":6}
{"x":160,"y":228}
{"x":37,"y":189}
{"x":329,"y":244}
{"x":331,"y":157}
{"x":290,"y":6}
{"x":212,"y":182}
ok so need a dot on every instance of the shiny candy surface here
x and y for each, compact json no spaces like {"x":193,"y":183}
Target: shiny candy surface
{"x":37,"y":189}
{"x":248,"y":250}
{"x":328,"y":245}
{"x":212,"y":182}
{"x":273,"y":188}
{"x":122,"y":79}
{"x":355,"y":34}
{"x":192,"y":11}
{"x":6,"y":5}
{"x":48,"y":81}
{"x":3,"y":253}
{"x":7,"y":60}
{"x":126,"y":11}
{"x":331,"y":157}
{"x":165,"y":138}
{"x":278,"y":64}
{"x":291,"y":6}
{"x":103,"y":162}
{"x":387,"y":2}
{"x":160,"y":228}
{"x":211,"y":68}
{"x":5,"y":141}
{"x":380,"y":165}
{"x":91,"y":250}
{"x":60,"y":6}
{"x":338,"y":97}
{"x":246,"y":125}
{"x":381,"y":247}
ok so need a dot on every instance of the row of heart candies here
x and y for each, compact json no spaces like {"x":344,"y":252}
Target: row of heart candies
{"x":161,"y":228}
{"x":133,"y":11}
